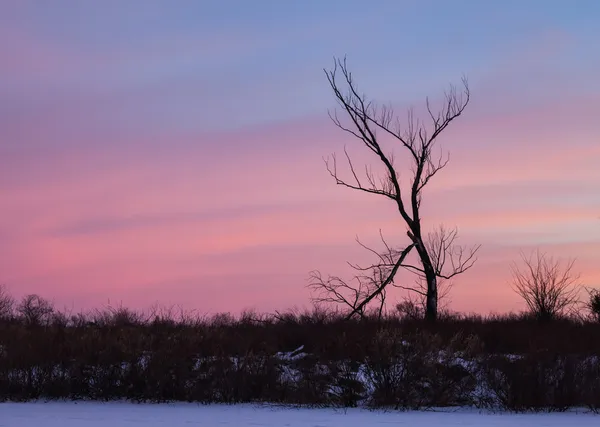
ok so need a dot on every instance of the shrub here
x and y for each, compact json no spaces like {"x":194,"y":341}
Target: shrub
{"x":7,"y":303}
{"x":593,"y":304}
{"x":533,"y":382}
{"x":415,"y":371}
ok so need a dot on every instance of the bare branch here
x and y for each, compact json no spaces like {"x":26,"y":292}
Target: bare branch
{"x":361,"y":113}
{"x":449,"y":259}
{"x":385,"y":283}
{"x":334,"y":290}
{"x":332,"y":169}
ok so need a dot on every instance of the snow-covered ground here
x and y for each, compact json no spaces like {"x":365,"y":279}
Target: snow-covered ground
{"x":85,"y":414}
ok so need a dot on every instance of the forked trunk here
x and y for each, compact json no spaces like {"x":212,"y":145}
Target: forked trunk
{"x":431,"y":300}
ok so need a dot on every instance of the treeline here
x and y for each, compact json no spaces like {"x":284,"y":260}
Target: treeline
{"x":315,"y":358}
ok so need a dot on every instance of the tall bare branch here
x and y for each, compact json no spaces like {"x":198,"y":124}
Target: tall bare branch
{"x":448,"y":258}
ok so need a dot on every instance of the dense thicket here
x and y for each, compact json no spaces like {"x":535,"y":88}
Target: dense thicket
{"x":315,"y":358}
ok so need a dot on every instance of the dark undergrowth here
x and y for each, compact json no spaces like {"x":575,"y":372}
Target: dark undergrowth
{"x":314,"y":358}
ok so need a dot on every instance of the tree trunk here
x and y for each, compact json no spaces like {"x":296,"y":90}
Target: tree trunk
{"x":431,"y":301}
{"x":431,"y":306}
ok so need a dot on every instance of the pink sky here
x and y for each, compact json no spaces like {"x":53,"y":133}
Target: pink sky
{"x":158,"y":177}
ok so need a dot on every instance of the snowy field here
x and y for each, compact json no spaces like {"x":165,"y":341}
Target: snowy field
{"x":86,"y":414}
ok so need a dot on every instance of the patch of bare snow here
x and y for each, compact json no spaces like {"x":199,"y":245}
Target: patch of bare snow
{"x":90,"y":414}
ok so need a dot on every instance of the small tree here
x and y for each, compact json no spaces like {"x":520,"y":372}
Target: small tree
{"x":593,"y":304}
{"x":35,"y":310}
{"x":7,"y":303}
{"x":548,"y":287}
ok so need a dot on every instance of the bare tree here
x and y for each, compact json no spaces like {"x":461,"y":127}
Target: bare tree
{"x":547,"y":287}
{"x":35,"y":310}
{"x":371,"y":124}
{"x":7,"y":303}
{"x":593,"y":304}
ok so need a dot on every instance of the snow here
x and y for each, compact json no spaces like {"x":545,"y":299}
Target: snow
{"x":89,"y":414}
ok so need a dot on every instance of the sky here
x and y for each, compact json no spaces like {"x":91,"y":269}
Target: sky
{"x":172,"y":152}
